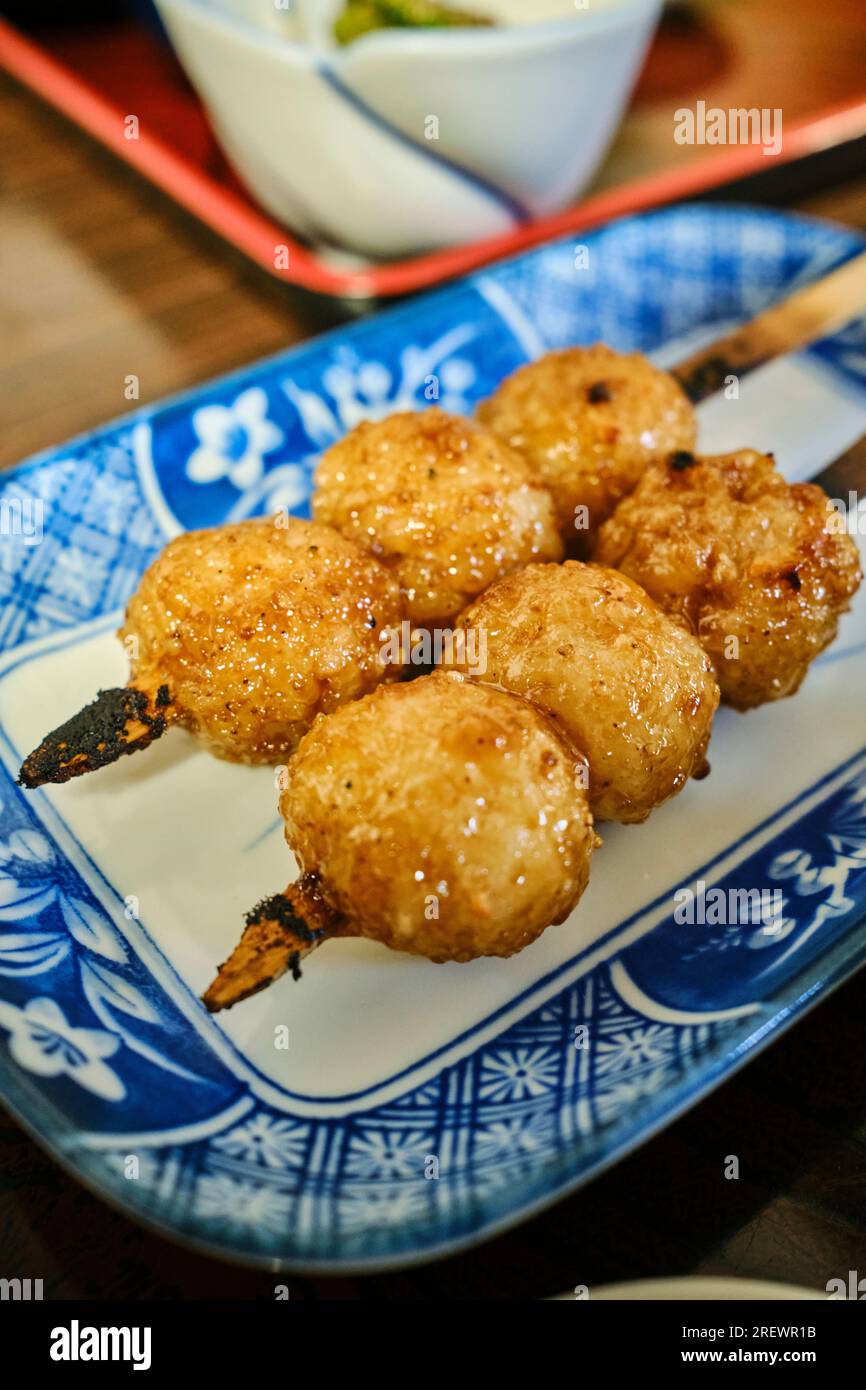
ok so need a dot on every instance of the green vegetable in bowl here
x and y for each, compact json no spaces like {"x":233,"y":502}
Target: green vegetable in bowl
{"x":359,"y":17}
{"x":362,"y":16}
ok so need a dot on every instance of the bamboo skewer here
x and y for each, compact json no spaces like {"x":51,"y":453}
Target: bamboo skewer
{"x":846,"y":474}
{"x":119,"y":721}
{"x":279,"y":932}
{"x":806,"y":316}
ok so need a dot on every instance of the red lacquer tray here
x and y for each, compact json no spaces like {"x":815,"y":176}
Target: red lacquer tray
{"x":96,"y":76}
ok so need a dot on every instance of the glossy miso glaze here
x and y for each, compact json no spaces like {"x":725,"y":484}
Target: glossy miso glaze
{"x":442,"y":818}
{"x":588,"y":420}
{"x":757,"y":568}
{"x":441,"y":501}
{"x":257,"y":627}
{"x":633,"y":691}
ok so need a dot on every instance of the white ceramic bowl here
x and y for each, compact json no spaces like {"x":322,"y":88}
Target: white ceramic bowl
{"x":411,"y":139}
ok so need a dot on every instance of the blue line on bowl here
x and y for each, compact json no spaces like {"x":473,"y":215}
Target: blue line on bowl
{"x":515,"y":209}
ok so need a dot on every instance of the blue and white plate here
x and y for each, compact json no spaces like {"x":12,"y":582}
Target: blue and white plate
{"x":520,"y":1078}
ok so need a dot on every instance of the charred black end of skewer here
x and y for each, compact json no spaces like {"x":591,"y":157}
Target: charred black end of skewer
{"x":703,"y":377}
{"x":708,"y":371}
{"x":117,"y":722}
{"x":279,"y":932}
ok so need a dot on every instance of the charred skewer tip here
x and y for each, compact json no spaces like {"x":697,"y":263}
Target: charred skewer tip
{"x":117,"y":722}
{"x":279,"y":932}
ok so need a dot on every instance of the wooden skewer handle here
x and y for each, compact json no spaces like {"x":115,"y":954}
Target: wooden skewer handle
{"x":846,"y":474}
{"x":806,"y":316}
{"x":280,"y":932}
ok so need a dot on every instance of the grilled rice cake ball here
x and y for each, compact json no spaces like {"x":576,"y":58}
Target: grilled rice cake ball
{"x":758,"y":568}
{"x":255,"y":628}
{"x":441,"y":818}
{"x":440,"y":501}
{"x":633,"y":691}
{"x":588,"y":420}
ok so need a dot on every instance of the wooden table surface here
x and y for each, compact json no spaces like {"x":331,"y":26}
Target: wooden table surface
{"x":102,"y":278}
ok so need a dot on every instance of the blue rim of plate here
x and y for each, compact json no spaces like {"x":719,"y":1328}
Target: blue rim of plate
{"x":521,"y":1121}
